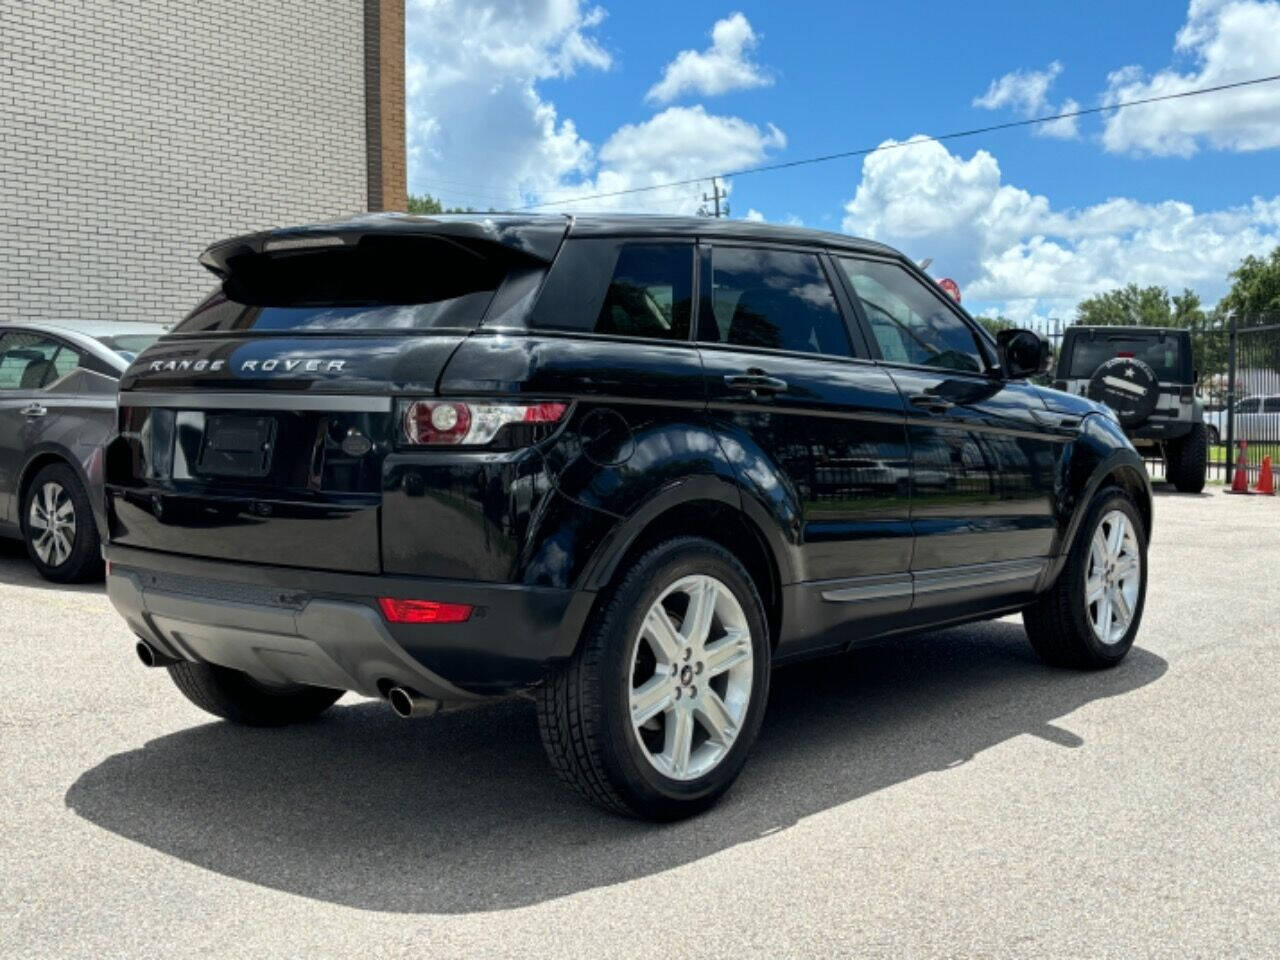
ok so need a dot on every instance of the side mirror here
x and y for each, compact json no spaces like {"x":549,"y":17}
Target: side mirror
{"x":1023,"y":353}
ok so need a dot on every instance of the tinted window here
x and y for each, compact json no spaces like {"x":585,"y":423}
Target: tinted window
{"x":1163,"y":355}
{"x":1271,"y":405}
{"x":1248,"y":406}
{"x":775,"y":299}
{"x":650,"y":293}
{"x":378,"y":284}
{"x":910,"y":322}
{"x":29,"y":361}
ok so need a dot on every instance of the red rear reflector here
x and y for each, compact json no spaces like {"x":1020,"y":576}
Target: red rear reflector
{"x":423,"y":611}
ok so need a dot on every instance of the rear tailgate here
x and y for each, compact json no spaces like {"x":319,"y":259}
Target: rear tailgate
{"x":258,"y":429}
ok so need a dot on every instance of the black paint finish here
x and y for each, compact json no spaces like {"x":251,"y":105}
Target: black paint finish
{"x":862,"y":483}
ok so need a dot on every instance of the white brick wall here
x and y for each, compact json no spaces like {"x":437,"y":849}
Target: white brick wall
{"x":135,"y":132}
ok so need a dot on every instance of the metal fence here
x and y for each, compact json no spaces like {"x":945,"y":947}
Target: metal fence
{"x":1238,"y":368}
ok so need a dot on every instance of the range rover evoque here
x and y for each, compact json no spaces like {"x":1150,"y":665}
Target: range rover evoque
{"x":623,"y":465}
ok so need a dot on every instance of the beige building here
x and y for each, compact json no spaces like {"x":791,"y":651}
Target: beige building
{"x":134,"y":132}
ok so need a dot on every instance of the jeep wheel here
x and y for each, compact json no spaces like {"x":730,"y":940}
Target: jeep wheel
{"x":237,"y":697}
{"x":1186,"y":460}
{"x":654,"y":715}
{"x":1214,"y":438}
{"x":1089,"y":617}
{"x":59,"y":529}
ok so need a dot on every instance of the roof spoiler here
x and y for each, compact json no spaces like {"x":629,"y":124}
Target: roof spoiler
{"x":534,"y":238}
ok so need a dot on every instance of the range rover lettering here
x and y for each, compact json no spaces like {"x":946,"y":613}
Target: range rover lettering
{"x":623,"y":465}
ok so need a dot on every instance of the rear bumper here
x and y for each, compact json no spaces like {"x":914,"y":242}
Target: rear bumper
{"x":281,"y":624}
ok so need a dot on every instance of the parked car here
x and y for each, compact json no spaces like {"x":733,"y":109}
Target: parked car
{"x":57,"y":407}
{"x":1257,"y":420}
{"x":1147,"y":375}
{"x":624,"y":465}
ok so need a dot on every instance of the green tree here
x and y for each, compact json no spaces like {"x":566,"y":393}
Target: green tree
{"x":1254,"y":297}
{"x":1130,"y":306}
{"x":995,"y":324}
{"x":424,"y":204}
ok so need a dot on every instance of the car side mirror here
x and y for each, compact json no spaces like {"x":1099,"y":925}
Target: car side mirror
{"x":1023,"y":353}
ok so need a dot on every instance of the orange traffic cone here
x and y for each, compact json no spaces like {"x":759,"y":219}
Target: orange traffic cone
{"x":1266,"y":482}
{"x":1240,"y":479}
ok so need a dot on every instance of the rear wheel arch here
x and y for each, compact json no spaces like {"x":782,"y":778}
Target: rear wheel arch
{"x":719,"y":519}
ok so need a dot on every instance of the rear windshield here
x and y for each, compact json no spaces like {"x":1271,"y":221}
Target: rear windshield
{"x":379,"y":284}
{"x":1163,"y":355}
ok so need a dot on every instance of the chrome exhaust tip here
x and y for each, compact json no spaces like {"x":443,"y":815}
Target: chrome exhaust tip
{"x":409,"y":703}
{"x":151,"y":657}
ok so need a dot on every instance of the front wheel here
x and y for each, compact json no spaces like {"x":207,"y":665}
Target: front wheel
{"x":654,"y":715}
{"x":1089,"y":617}
{"x":58,"y":527}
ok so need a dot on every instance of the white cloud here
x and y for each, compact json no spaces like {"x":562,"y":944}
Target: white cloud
{"x":1227,"y":41}
{"x":479,"y":132}
{"x":677,"y":144}
{"x":1004,"y":244}
{"x":725,"y":65}
{"x":1027,"y":93}
{"x":754,"y":216}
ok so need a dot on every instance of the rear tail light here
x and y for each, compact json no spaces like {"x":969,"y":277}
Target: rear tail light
{"x":1187,"y":394}
{"x":423,"y":611}
{"x":457,"y":422}
{"x":1060,"y":385}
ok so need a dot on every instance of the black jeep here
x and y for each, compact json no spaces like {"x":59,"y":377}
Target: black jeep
{"x":623,"y":465}
{"x":1146,"y":374}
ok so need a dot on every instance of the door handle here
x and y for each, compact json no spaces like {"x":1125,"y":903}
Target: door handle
{"x":930,"y":402}
{"x":33,"y":410}
{"x":754,"y":382}
{"x":1047,"y":419}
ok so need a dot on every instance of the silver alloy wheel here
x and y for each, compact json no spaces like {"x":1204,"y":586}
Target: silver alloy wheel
{"x":690,"y":680}
{"x":1113,"y":577}
{"x":52,"y":524}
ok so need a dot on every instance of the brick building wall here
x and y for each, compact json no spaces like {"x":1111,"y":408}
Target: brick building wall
{"x":135,"y":132}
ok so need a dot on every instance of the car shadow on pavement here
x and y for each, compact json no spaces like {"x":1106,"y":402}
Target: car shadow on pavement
{"x":461,"y":812}
{"x":16,"y":569}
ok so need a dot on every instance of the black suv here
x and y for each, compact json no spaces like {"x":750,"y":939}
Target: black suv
{"x":624,"y":465}
{"x":1145,"y":374}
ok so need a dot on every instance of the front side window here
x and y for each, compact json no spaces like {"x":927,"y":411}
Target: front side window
{"x":1251,"y":405}
{"x":910,"y":322}
{"x":774,"y":299}
{"x":1271,"y":405}
{"x":31,"y":361}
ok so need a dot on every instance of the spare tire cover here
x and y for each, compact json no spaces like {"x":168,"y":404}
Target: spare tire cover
{"x":1128,"y":386}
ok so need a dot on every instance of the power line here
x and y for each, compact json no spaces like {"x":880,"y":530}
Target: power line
{"x":864,"y":151}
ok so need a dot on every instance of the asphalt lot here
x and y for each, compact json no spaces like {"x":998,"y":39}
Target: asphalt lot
{"x":944,"y":796}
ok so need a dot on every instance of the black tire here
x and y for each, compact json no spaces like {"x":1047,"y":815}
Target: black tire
{"x":1058,"y":623}
{"x":583,"y":708}
{"x":237,"y":697}
{"x":1186,"y":460}
{"x":1214,"y":438}
{"x":84,"y":561}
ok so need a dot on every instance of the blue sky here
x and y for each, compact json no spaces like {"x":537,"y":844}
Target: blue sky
{"x":513,"y":103}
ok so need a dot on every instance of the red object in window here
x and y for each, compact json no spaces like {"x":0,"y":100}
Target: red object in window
{"x":952,"y":288}
{"x":423,"y":611}
{"x":1127,"y":354}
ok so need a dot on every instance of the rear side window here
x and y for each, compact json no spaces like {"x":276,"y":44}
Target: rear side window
{"x":910,"y":322}
{"x":1271,"y":405}
{"x":627,"y":289}
{"x":409,"y":283}
{"x":775,"y":299}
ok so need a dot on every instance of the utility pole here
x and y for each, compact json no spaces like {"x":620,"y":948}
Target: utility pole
{"x":717,"y":194}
